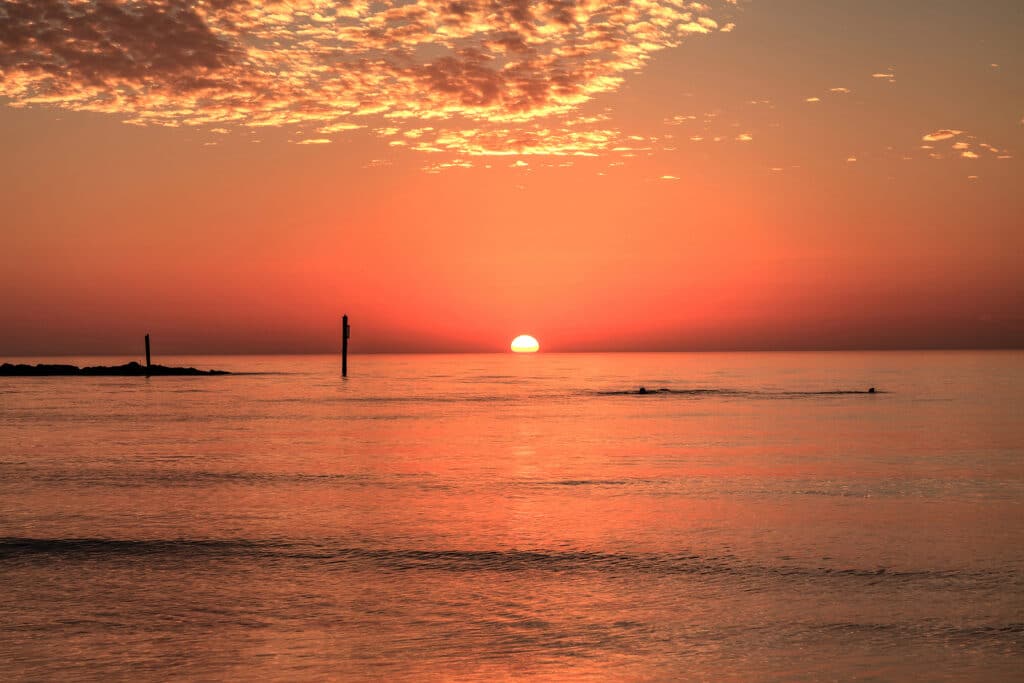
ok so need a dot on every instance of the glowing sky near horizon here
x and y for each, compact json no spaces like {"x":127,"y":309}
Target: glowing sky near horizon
{"x":232,"y":175}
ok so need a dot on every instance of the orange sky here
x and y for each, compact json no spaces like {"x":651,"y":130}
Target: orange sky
{"x":611,"y":176}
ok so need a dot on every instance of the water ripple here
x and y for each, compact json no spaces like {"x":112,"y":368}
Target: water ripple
{"x":21,"y":549}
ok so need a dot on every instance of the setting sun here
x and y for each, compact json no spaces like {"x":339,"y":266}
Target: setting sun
{"x":524,"y":343}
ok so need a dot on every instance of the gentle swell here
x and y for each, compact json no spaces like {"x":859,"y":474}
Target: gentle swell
{"x":15,"y":550}
{"x":664,"y":391}
{"x":191,"y":478}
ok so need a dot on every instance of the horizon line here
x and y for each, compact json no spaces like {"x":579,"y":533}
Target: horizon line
{"x":542,"y":352}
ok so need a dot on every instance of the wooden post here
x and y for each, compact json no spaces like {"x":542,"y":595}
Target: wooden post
{"x":345,"y":331}
{"x":147,"y":352}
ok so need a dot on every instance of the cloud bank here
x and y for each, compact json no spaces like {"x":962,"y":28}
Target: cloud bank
{"x":328,"y":66}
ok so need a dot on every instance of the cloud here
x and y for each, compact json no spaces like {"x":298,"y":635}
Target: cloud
{"x":70,"y":45}
{"x":446,"y":165}
{"x":574,"y":137}
{"x":831,"y":91}
{"x":328,"y":66}
{"x":339,"y":126}
{"x":679,"y":119}
{"x":962,"y":144}
{"x":943,"y":134}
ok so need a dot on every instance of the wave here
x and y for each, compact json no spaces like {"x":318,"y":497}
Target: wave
{"x":199,"y":478}
{"x":570,"y":393}
{"x":665,"y":391}
{"x":15,"y":550}
{"x":14,"y":474}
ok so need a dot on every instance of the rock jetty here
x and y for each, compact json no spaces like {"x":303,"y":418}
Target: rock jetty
{"x":132,"y":369}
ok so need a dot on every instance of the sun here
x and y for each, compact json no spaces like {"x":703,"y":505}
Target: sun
{"x":524,"y":343}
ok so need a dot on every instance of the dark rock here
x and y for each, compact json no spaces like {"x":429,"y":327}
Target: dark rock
{"x":132,"y":369}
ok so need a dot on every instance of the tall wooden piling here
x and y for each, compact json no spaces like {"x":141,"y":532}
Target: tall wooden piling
{"x":345,"y":331}
{"x":147,"y":352}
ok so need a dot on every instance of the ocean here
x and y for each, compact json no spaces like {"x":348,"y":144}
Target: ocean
{"x":478,"y":517}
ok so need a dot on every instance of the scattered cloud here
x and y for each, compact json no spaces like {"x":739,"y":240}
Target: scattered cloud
{"x":434,"y":169}
{"x":711,"y":126}
{"x":963,"y":144}
{"x":328,"y":67}
{"x":338,"y":127}
{"x":943,"y":134}
{"x":521,"y":139}
{"x":831,"y":91}
{"x":668,"y":177}
{"x":679,"y":119}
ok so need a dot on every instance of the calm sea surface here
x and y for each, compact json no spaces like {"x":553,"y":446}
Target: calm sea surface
{"x":500,"y":516}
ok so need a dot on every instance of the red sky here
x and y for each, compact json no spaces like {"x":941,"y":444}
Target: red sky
{"x":633,"y":175}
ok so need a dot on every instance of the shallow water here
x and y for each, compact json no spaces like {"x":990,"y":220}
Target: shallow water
{"x":480,"y":516}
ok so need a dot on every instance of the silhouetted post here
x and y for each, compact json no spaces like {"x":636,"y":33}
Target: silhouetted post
{"x":345,"y":331}
{"x":147,"y":352}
